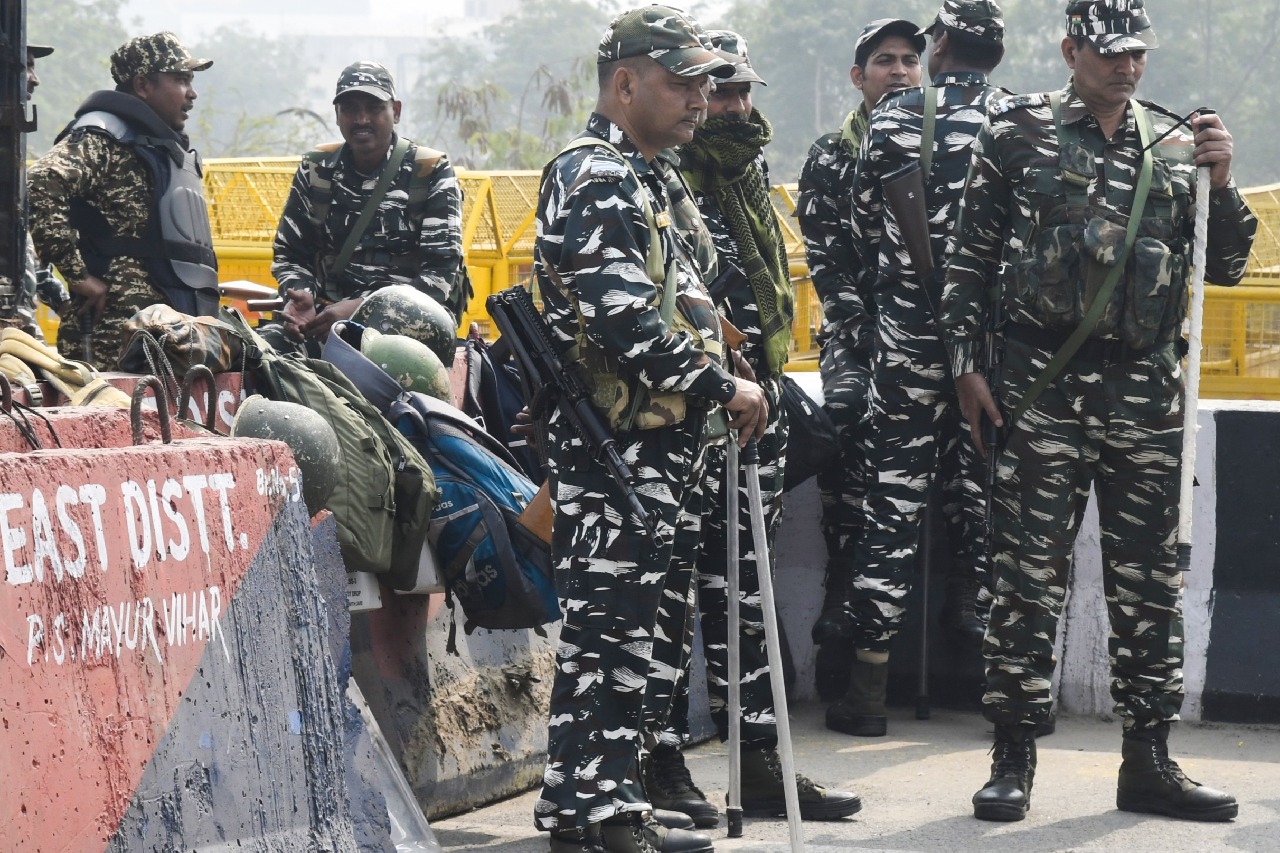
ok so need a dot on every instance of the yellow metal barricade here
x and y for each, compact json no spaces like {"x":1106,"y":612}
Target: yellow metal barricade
{"x":498,"y":231}
{"x":1241,"y":356}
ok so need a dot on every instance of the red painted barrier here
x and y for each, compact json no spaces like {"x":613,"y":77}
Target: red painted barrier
{"x":119,"y":566}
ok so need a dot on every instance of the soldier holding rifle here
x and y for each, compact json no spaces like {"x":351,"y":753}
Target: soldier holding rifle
{"x":621,"y":285}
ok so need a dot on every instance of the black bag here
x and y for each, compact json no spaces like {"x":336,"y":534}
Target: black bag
{"x":493,"y":396}
{"x":812,"y":443}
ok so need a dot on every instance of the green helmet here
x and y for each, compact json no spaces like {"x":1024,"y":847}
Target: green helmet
{"x":400,"y":309}
{"x":408,"y":362}
{"x":313,"y":442}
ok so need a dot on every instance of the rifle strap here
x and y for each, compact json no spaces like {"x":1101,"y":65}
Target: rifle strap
{"x":389,"y":171}
{"x":926,"y":133}
{"x":1103,"y":296}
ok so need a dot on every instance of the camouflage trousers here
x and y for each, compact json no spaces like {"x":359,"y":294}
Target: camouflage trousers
{"x":916,"y":435}
{"x":1118,"y":428}
{"x":758,"y":723}
{"x":626,"y":609}
{"x":128,"y":292}
{"x":845,"y":365}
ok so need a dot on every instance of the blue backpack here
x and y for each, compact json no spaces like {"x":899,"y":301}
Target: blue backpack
{"x":492,"y":564}
{"x":497,"y":569}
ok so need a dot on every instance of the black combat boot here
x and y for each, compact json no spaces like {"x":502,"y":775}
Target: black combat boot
{"x":831,"y":671}
{"x":638,"y":832}
{"x":673,"y":819}
{"x":1049,"y":724}
{"x":861,"y":711}
{"x":670,"y":787}
{"x":577,"y":840}
{"x":1153,"y":783}
{"x":763,"y":795}
{"x":1007,"y":794}
{"x":959,"y":613}
{"x":835,"y":623}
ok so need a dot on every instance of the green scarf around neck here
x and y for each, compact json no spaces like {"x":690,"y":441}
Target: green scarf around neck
{"x":722,"y":160}
{"x":853,"y":129}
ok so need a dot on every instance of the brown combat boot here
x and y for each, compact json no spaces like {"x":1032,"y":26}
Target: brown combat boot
{"x":861,"y":712}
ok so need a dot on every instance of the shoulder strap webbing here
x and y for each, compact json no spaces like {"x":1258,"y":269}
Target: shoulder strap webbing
{"x":389,"y":172}
{"x":926,"y":132}
{"x":654,"y":265}
{"x":659,"y":273}
{"x":1103,"y":297}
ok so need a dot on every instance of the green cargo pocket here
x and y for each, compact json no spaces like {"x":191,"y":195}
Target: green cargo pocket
{"x":1053,"y":283}
{"x":1104,"y":244}
{"x":1153,"y":285}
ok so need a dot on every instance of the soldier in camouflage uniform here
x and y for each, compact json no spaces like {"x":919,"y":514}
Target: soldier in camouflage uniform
{"x":38,"y":280}
{"x":915,"y":430}
{"x":94,"y":198}
{"x":1049,"y":197}
{"x":413,"y":238}
{"x":725,"y":168}
{"x":886,"y":57}
{"x":601,"y":274}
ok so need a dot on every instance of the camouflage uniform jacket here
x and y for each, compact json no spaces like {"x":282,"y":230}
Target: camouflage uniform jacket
{"x":893,"y":142}
{"x":740,"y":302}
{"x":408,"y":240}
{"x":823,"y":208}
{"x":590,"y":262}
{"x":1015,"y":183}
{"x":109,"y":177}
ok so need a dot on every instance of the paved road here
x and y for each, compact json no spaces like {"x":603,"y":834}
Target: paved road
{"x":916,"y":783}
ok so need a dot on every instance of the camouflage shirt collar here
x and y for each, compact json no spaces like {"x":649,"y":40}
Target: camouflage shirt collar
{"x":602,"y":127}
{"x":960,"y":78}
{"x":1074,"y":109}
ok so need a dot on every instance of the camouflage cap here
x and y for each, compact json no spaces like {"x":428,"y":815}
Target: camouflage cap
{"x":38,"y":50}
{"x":668,"y":36}
{"x":372,"y":78}
{"x":877,"y":30}
{"x":733,"y":48}
{"x":150,"y":54}
{"x":1114,"y":26}
{"x":980,"y":18}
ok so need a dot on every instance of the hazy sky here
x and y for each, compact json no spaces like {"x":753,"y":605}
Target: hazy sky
{"x":165,"y":14}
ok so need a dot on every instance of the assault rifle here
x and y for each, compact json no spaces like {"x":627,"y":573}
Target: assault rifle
{"x":904,"y":194}
{"x":548,"y":381}
{"x":13,"y":155}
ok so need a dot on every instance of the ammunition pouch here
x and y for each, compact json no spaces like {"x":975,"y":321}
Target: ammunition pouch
{"x":625,"y":402}
{"x":1071,"y":248}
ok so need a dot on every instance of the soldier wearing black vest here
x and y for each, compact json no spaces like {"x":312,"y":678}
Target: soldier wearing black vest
{"x":117,"y":204}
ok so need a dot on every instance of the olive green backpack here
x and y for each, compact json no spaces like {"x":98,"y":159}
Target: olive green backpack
{"x":385,"y":491}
